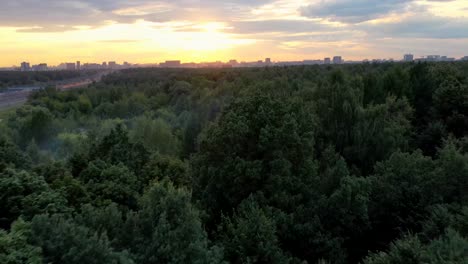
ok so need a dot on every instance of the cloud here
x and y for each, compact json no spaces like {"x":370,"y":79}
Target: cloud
{"x":52,"y":14}
{"x":353,"y":11}
{"x":284,"y":26}
{"x":308,"y":26}
{"x":423,"y":25}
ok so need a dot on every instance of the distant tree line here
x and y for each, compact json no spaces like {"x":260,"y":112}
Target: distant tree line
{"x":17,"y":78}
{"x":359,"y":163}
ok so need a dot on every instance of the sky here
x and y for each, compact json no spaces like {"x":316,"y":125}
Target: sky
{"x":143,"y":31}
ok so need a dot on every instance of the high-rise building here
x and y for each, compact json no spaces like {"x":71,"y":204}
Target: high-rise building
{"x":433,"y":58}
{"x":78,"y":65}
{"x":464,"y":58}
{"x":91,"y":66}
{"x":268,"y":61}
{"x":408,"y":57}
{"x":25,"y":66}
{"x":40,"y":67}
{"x":170,"y":64}
{"x":337,"y":60}
{"x":112,"y":64}
{"x":70,"y":66}
{"x":104,"y":64}
{"x":327,"y":61}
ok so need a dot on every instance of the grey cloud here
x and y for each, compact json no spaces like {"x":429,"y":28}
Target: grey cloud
{"x":269,"y":26}
{"x":423,"y":25}
{"x":44,"y":15}
{"x":353,"y":11}
{"x":358,"y":11}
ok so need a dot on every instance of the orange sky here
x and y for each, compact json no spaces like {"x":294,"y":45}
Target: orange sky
{"x":143,"y":31}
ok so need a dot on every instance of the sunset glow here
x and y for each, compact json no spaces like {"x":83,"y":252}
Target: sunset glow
{"x":149,"y":32}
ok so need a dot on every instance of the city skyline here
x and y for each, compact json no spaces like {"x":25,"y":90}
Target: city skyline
{"x":408,"y":57}
{"x":145,"y":31}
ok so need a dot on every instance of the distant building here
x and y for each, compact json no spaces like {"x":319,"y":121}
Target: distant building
{"x":112,"y":65}
{"x":25,"y":66}
{"x":408,"y":57}
{"x":233,"y":62}
{"x":268,"y":61}
{"x":433,"y":58}
{"x":445,"y":58}
{"x":464,"y":58}
{"x":70,"y":66}
{"x":104,"y":65}
{"x":311,"y":62}
{"x":327,"y":61}
{"x":91,"y":66}
{"x":40,"y":67}
{"x":337,"y":60}
{"x":437,"y":58}
{"x":78,"y":65}
{"x":171,"y":64}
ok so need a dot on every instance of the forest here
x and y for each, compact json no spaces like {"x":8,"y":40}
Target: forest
{"x":363,"y":163}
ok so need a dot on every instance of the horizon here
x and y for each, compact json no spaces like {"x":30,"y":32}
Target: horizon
{"x":147,"y":32}
{"x":260,"y":62}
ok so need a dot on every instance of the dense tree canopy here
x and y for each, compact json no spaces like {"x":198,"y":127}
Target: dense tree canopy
{"x":364,"y":163}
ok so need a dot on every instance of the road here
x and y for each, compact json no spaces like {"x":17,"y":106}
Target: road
{"x":18,"y":96}
{"x":12,"y":99}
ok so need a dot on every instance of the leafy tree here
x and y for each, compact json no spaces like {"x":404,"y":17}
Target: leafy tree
{"x":260,"y":145}
{"x":403,"y":188}
{"x":116,"y":148}
{"x":452,"y":166}
{"x":408,"y":251}
{"x":168,"y":229}
{"x":165,"y":167}
{"x":450,"y":248}
{"x":155,"y":135}
{"x":110,"y":183}
{"x":33,"y":122}
{"x":26,"y":194}
{"x":249,"y":236}
{"x":11,"y":155}
{"x":451,"y":105}
{"x":59,"y":178}
{"x":63,"y":241}
{"x":14,"y":246}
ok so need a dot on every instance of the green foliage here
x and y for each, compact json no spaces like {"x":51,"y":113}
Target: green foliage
{"x":33,"y":123}
{"x":14,"y":246}
{"x":165,"y":167}
{"x":110,"y":183}
{"x":316,"y":164}
{"x":249,"y":236}
{"x":450,"y":248}
{"x":261,"y":145}
{"x":71,"y":143}
{"x":408,"y":251}
{"x":168,"y":229}
{"x":22,"y":193}
{"x":11,"y":155}
{"x":116,"y":148}
{"x":63,"y":241}
{"x":155,"y":135}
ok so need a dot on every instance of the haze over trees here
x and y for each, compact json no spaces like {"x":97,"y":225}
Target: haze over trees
{"x":15,"y":78}
{"x":309,"y":164}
